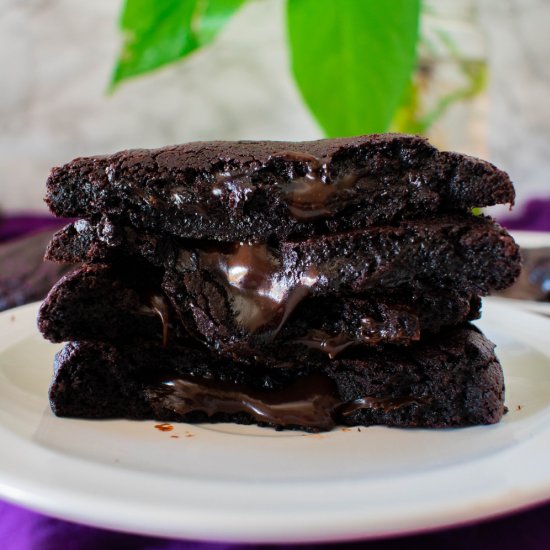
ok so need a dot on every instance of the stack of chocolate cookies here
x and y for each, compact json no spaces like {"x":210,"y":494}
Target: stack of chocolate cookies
{"x":294,"y":285}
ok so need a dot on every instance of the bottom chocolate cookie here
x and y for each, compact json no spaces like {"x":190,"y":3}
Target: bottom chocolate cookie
{"x":453,"y":379}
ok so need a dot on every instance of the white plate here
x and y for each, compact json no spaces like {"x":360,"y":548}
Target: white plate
{"x":224,"y":482}
{"x":531,"y":239}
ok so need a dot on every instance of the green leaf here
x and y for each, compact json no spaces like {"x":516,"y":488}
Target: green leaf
{"x":353,"y":59}
{"x":158,"y":32}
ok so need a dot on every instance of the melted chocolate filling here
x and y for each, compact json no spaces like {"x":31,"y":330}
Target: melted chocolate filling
{"x":313,"y":196}
{"x":371,"y":332}
{"x":310,"y":401}
{"x":308,"y":197}
{"x":262,"y":296}
{"x":156,"y":303}
{"x":260,"y":292}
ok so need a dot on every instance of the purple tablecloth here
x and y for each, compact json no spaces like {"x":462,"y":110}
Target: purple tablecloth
{"x":23,"y":529}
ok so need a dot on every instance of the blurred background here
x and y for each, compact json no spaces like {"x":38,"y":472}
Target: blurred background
{"x":57,"y":57}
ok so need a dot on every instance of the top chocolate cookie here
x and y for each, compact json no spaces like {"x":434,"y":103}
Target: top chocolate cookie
{"x":255,"y":190}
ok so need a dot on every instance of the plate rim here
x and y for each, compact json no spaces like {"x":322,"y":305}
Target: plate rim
{"x":530,"y":239}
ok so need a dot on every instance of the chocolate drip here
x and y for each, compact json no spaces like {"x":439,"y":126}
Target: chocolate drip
{"x":259,"y":290}
{"x":309,"y":196}
{"x":157,"y":303}
{"x":313,"y":196}
{"x":371,"y":332}
{"x":310,"y":401}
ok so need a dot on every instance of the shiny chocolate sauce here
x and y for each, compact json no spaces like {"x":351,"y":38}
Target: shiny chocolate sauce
{"x":313,"y":195}
{"x":308,"y":197}
{"x":156,"y":303}
{"x":310,"y":401}
{"x":261,"y":293}
{"x":371,"y":332}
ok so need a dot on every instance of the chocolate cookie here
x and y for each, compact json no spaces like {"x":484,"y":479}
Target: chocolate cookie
{"x":257,"y":190}
{"x":234,"y":290}
{"x":452,"y":380}
{"x":101,"y":303}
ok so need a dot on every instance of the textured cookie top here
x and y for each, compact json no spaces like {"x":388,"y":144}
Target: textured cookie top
{"x":255,"y":190}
